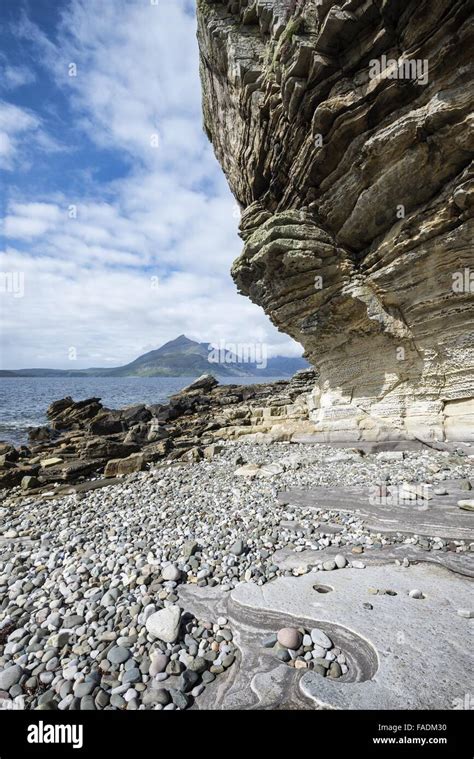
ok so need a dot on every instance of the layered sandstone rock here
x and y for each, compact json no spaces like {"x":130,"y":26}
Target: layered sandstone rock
{"x":356,"y":186}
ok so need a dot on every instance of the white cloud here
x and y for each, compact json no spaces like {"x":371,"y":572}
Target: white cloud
{"x":16,"y":124}
{"x":12,"y":77}
{"x":21,"y":133}
{"x":28,"y":220}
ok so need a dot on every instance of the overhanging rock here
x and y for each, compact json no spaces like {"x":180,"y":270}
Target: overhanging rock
{"x":355,"y":183}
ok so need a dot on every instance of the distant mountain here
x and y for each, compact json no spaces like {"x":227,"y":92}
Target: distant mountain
{"x":183,"y":357}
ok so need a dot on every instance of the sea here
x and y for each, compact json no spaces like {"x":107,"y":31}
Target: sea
{"x":24,"y":400}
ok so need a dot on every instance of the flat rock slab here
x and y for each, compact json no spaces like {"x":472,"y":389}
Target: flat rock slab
{"x":405,"y":653}
{"x":438,"y":517}
{"x":463,"y":563}
{"x":50,"y":492}
{"x":256,"y":680}
{"x":383,"y":445}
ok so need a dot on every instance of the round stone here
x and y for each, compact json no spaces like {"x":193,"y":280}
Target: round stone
{"x":415,"y":593}
{"x":164,"y":624}
{"x":237,"y":548}
{"x":87,"y":704}
{"x":299,"y":664}
{"x":117,"y":701}
{"x":162,"y":696}
{"x":10,"y":676}
{"x":334,"y":670}
{"x":171,"y":573}
{"x":340,"y":560}
{"x":320,"y":670}
{"x":102,"y":699}
{"x":130,"y":694}
{"x":290,"y":637}
{"x":83,"y":689}
{"x":118,"y":655}
{"x":320,"y":638}
{"x":174,"y":667}
{"x":158,"y":664}
{"x":198,"y":664}
{"x":132,"y":675}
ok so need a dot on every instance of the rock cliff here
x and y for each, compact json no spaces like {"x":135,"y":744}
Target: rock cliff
{"x":346,"y":136}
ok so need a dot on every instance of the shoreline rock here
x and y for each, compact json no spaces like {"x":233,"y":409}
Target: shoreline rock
{"x":85,"y":439}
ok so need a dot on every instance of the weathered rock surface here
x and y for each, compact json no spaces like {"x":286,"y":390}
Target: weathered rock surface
{"x":439,"y":516}
{"x":86,"y":439}
{"x":395,"y":649}
{"x":356,"y":194}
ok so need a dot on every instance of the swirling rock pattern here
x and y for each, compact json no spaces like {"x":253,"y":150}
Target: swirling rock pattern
{"x":356,"y":188}
{"x":396,"y":650}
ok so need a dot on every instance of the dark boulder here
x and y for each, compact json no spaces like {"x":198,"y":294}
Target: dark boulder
{"x":40,"y":434}
{"x":106,"y":423}
{"x":8,"y":452}
{"x":102,"y":447}
{"x":204,"y":382}
{"x":135,"y":414}
{"x":68,"y":414}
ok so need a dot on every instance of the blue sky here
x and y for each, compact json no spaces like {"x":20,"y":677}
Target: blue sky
{"x":113,"y":208}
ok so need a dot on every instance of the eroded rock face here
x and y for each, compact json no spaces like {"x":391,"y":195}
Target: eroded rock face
{"x":356,"y":189}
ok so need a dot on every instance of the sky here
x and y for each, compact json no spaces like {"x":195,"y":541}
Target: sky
{"x":117,"y":228}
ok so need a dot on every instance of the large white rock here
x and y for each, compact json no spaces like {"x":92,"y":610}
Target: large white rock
{"x":270,"y":470}
{"x":171,"y":572}
{"x":247,"y":470}
{"x":164,"y":624}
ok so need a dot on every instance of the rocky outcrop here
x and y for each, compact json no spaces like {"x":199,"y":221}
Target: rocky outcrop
{"x":355,"y":180}
{"x":85,"y":439}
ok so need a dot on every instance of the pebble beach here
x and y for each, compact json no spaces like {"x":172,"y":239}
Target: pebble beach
{"x":90,"y":612}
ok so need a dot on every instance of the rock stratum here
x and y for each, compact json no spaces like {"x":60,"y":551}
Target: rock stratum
{"x":355,"y":183}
